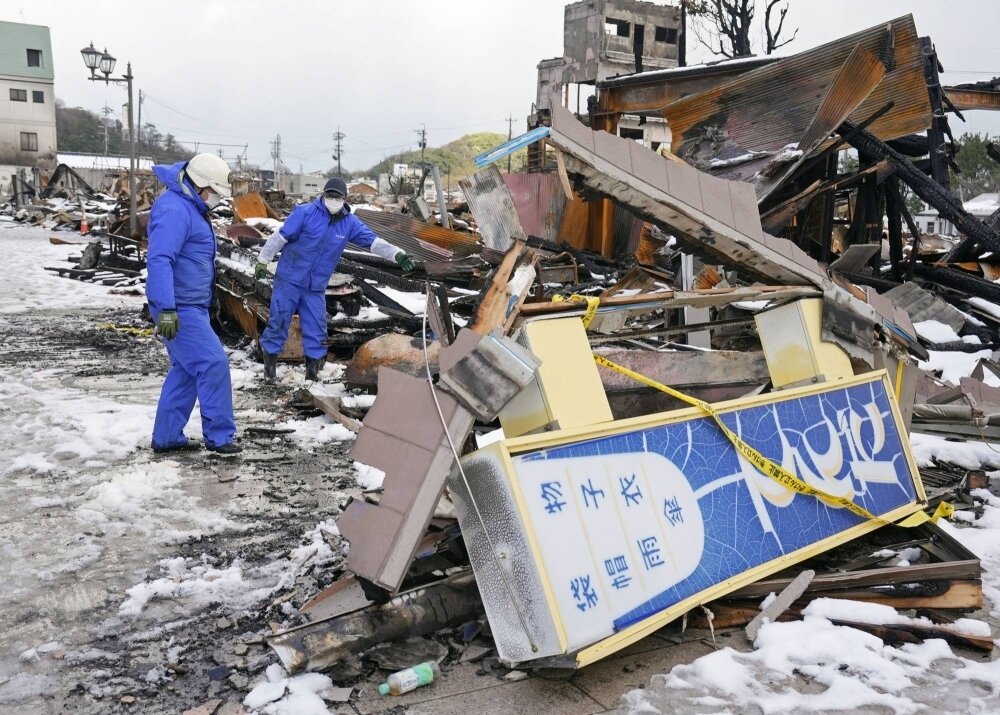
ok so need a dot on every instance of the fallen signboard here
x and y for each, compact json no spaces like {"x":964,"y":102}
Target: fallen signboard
{"x":611,"y":531}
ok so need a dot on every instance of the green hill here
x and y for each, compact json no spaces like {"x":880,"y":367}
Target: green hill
{"x":80,"y":130}
{"x":457,"y":156}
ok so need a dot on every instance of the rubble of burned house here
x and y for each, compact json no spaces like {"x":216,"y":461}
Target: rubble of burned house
{"x":631,"y":350}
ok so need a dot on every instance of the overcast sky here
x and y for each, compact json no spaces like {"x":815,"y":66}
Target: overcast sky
{"x":239,"y":72}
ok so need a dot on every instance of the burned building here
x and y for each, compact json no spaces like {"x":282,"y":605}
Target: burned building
{"x":605,"y":38}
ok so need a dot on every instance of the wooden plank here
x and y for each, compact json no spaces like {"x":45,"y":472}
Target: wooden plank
{"x":966,"y":569}
{"x":678,"y":299}
{"x":961,"y":595}
{"x":492,"y":309}
{"x":330,"y":406}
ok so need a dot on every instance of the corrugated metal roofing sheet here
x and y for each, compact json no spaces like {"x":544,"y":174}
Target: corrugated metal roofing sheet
{"x":540,"y":202}
{"x":491,"y":204}
{"x":922,"y":305}
{"x":770,"y":107}
{"x":424,"y":241}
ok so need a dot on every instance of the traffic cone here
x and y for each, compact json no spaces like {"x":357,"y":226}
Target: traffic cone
{"x":84,"y":226}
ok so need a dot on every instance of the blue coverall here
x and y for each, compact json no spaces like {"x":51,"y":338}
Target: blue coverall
{"x":181,"y":273}
{"x":316,"y":241}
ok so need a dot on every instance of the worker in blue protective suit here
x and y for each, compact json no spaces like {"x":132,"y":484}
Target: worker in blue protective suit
{"x":181,"y":273}
{"x":311,"y":242}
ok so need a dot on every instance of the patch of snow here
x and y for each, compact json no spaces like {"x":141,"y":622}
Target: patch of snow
{"x":986,"y":306}
{"x":936,"y":332}
{"x":148,"y":498}
{"x":972,"y":339}
{"x":928,"y":449}
{"x":358,"y":402}
{"x":369,"y":477}
{"x":317,"y":430}
{"x":193,"y":584}
{"x":27,"y":252}
{"x":267,"y":226}
{"x":983,"y":539}
{"x":416,"y":303}
{"x":56,"y":425}
{"x":734,"y":160}
{"x":790,"y":152}
{"x":953,"y":366}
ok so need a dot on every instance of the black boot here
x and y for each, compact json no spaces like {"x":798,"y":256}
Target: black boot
{"x":313,"y":367}
{"x":270,"y":367}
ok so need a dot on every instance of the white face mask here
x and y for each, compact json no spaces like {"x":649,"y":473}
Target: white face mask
{"x":213,"y":200}
{"x":333,"y":205}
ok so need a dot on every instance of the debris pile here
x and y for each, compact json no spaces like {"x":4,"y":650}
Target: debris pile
{"x":738,"y":331}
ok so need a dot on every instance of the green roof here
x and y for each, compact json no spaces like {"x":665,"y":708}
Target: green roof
{"x":15,"y":41}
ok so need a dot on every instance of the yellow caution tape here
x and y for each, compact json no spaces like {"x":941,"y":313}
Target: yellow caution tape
{"x":944,"y":509}
{"x":592,"y":305}
{"x":764,"y":465}
{"x":127,"y":329}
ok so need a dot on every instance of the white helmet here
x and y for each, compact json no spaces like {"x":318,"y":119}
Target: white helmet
{"x":210,"y":171}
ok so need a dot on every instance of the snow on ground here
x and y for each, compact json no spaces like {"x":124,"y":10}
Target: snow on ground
{"x":982,"y":537}
{"x":814,"y":666}
{"x":149,"y":499}
{"x":314,"y":431}
{"x":52,"y":426}
{"x":28,"y":286}
{"x":277,"y":694}
{"x":194,"y":584}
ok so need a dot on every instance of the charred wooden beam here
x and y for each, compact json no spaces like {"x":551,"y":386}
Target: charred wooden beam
{"x":939,"y":124}
{"x":929,"y":190}
{"x":895,"y":230}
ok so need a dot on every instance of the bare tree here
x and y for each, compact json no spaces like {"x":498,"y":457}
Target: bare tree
{"x":726,"y":25}
{"x":773,"y":42}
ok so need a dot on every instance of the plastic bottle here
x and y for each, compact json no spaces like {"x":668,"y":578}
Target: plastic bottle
{"x":410,"y":679}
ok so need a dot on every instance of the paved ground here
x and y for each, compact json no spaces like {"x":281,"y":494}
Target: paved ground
{"x":123,"y":564}
{"x":145,"y":585}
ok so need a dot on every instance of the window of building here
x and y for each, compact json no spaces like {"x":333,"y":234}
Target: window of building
{"x":666,"y":34}
{"x":29,"y":141}
{"x":34,"y":58}
{"x":621,"y":28}
{"x":38,"y":96}
{"x":930,"y":227}
{"x":18,"y":95}
{"x":634,"y":134}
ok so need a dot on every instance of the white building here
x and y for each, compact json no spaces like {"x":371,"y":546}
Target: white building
{"x":101,"y":171}
{"x":307,"y":186}
{"x":27,"y":101}
{"x":982,"y":207}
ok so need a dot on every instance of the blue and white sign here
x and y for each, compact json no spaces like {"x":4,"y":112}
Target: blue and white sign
{"x":630,"y":524}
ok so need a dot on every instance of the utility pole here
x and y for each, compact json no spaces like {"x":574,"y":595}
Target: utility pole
{"x":423,"y":142}
{"x":510,"y":135}
{"x":338,"y":138}
{"x":138,"y":129}
{"x":276,"y":155}
{"x":107,"y":113}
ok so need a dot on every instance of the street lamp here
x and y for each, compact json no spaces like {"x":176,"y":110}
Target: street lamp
{"x":94,"y":59}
